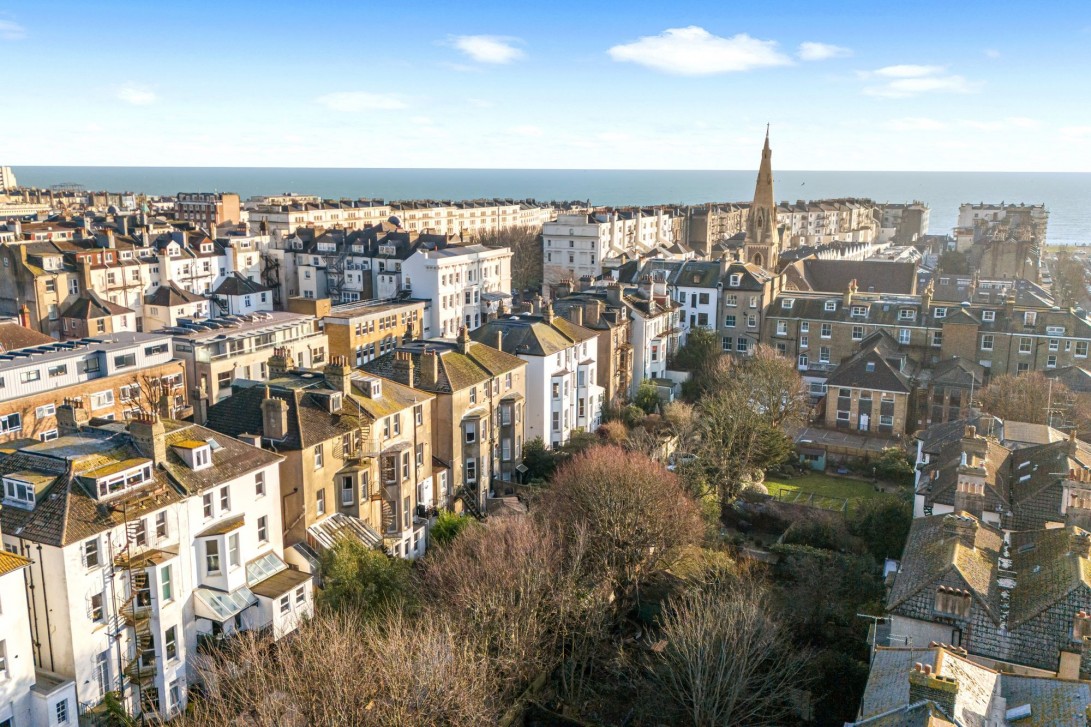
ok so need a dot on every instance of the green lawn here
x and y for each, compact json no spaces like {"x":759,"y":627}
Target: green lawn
{"x":829,"y":491}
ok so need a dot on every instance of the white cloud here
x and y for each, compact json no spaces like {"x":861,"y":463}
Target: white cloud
{"x":360,"y":101}
{"x":488,"y":48}
{"x":1011,"y":122}
{"x":909,"y":80}
{"x":992,"y":53}
{"x":812,"y":51}
{"x":914,"y":124}
{"x":136,"y":95}
{"x":10,"y":30}
{"x":693,"y":51}
{"x":906,"y":70}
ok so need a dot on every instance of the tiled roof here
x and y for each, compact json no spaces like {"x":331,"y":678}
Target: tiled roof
{"x":230,"y":460}
{"x":531,"y":335}
{"x":1076,"y":378}
{"x":14,"y":336}
{"x":11,"y":562}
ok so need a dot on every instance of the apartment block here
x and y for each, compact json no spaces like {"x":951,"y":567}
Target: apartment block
{"x":364,"y":331}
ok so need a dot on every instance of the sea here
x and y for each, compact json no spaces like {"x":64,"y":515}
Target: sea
{"x":1066,"y":195}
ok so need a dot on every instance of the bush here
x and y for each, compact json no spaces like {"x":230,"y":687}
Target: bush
{"x":883,"y":524}
{"x":894,"y":465}
{"x":827,"y":533}
{"x":447,"y":527}
{"x":647,"y":397}
{"x":540,"y":461}
{"x":366,"y":581}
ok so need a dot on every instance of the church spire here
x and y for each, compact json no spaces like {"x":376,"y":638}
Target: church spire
{"x":762,"y":243}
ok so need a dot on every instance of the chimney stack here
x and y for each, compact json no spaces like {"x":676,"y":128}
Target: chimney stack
{"x":150,"y":437}
{"x":464,"y":340}
{"x":964,"y":527}
{"x":338,"y":374}
{"x":613,"y":293}
{"x":281,"y":362}
{"x":1079,"y":543}
{"x":71,"y":416}
{"x":574,"y":313}
{"x":562,"y":289}
{"x":429,"y":369}
{"x":274,"y":417}
{"x":547,"y":313}
{"x":403,"y":368}
{"x":24,"y":316}
{"x":941,"y":690}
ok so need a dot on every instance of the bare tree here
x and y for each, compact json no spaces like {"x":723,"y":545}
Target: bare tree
{"x":633,"y":514}
{"x":726,"y":659}
{"x":775,"y":386}
{"x":1029,"y":397}
{"x":526,"y":246}
{"x":338,"y":669}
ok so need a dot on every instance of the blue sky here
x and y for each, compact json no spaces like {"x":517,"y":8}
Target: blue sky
{"x":643,"y":85}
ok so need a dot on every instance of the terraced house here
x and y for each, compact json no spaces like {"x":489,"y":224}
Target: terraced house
{"x":1023,"y":599}
{"x":561,"y":375}
{"x":357,"y":454}
{"x":150,"y":540}
{"x":477,"y":416}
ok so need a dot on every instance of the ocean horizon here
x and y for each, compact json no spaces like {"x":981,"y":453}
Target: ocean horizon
{"x":1067,"y":195}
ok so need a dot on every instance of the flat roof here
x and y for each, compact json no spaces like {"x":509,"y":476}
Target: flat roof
{"x":224,"y":328}
{"x":63,"y":350}
{"x":367,"y":307}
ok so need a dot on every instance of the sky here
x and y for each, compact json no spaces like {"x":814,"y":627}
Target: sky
{"x":914,"y":86}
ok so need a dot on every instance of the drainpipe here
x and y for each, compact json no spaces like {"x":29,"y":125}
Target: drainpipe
{"x":45,"y":602}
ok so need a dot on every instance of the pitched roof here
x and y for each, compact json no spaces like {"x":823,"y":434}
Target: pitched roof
{"x":90,"y":305}
{"x":309,"y":419}
{"x":878,"y":276}
{"x":531,"y":335}
{"x":456,"y":371}
{"x":931,"y":552}
{"x":871,"y":368}
{"x":1076,"y":378}
{"x":14,"y":336}
{"x":886,"y":700}
{"x":171,"y":295}
{"x":1047,"y":570}
{"x":236,"y":284}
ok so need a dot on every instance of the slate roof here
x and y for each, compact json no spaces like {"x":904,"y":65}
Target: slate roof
{"x":682,"y":273}
{"x":870,"y":367}
{"x":1076,"y":378}
{"x":1053,"y":702}
{"x":531,"y":335}
{"x":90,"y":305}
{"x":457,"y":371}
{"x":236,"y":284}
{"x":957,"y":371}
{"x":1046,"y":570}
{"x":309,"y":419}
{"x":171,"y":295}
{"x":878,"y":276}
{"x":13,"y":336}
{"x":930,"y":553}
{"x":945,"y":465}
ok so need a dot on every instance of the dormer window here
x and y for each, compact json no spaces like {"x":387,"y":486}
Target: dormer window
{"x":735,"y":280}
{"x":787,"y":302}
{"x":859,"y":311}
{"x":195,"y":453}
{"x":110,"y":481}
{"x":907,"y":314}
{"x":831,"y":305}
{"x":18,"y":493}
{"x":939,"y":313}
{"x":988,"y":316}
{"x":206,"y":247}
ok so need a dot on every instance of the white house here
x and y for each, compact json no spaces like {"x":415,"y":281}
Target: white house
{"x":656,"y":329}
{"x":149,"y":539}
{"x":28,"y":696}
{"x":695,"y":285}
{"x":464,"y":283}
{"x":238,"y":295}
{"x":562,"y":362}
{"x":576,"y":244}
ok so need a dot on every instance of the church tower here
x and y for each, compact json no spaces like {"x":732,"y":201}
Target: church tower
{"x":762,"y":243}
